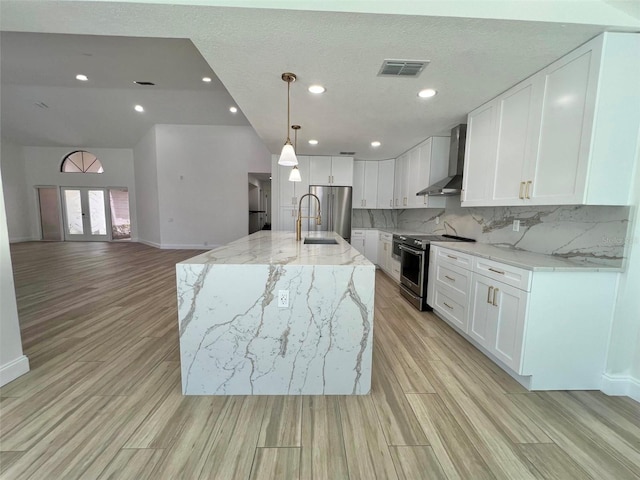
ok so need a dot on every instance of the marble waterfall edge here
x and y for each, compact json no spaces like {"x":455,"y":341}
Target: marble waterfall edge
{"x":234,"y":340}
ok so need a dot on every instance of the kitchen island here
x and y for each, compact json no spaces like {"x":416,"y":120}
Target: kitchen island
{"x":235,"y":339}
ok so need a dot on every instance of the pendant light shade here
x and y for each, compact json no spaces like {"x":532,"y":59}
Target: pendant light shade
{"x":288,"y":155}
{"x":294,"y":176}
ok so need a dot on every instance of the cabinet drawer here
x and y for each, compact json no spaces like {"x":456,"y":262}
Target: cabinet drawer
{"x":357,"y":233}
{"x":514,"y":276}
{"x":387,"y":237}
{"x":452,"y":257}
{"x":395,"y":270}
{"x":451,"y":307}
{"x":455,"y":278}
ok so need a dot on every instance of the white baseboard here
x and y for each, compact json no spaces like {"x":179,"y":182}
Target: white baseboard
{"x":12,"y":370}
{"x":151,"y":244}
{"x":621,"y":385}
{"x":22,"y":239}
{"x":178,"y":246}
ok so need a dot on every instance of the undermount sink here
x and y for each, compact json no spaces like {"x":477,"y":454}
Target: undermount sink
{"x":320,"y":241}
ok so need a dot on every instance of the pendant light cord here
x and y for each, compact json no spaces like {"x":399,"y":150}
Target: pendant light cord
{"x":288,"y":108}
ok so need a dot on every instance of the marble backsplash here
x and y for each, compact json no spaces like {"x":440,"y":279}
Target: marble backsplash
{"x":593,"y":233}
{"x":361,"y":218}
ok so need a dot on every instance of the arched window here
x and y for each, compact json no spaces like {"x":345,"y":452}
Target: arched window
{"x":81,"y":162}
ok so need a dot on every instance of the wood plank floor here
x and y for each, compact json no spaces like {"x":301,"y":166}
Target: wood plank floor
{"x":103,"y":400}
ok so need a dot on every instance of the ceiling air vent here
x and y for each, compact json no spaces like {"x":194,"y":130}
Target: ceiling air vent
{"x":348,"y":153}
{"x":402,"y":68}
{"x":41,"y":105}
{"x":146,"y":84}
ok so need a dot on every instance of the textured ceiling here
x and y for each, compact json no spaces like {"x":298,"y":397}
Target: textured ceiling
{"x":472,"y":60}
{"x":41,"y":68}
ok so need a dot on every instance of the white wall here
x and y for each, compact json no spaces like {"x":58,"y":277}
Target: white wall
{"x":623,"y":364}
{"x":42,"y":167}
{"x":202,"y":182}
{"x":12,"y":362}
{"x":20,"y":219}
{"x":146,"y":174}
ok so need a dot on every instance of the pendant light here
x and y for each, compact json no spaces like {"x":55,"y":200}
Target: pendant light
{"x":288,"y":155}
{"x":294,"y":176}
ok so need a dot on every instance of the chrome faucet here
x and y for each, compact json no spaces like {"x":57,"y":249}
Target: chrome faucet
{"x":300,"y":217}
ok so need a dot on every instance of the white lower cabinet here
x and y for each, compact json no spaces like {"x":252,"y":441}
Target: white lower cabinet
{"x":395,"y":269}
{"x":366,"y":242}
{"x":546,"y":327}
{"x":371,"y":245}
{"x":357,"y":240}
{"x":497,"y":318}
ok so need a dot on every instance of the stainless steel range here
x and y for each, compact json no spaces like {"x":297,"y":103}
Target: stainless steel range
{"x":414,"y":265}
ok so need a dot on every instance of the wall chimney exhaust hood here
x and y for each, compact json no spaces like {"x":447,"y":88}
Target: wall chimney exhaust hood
{"x":452,"y":185}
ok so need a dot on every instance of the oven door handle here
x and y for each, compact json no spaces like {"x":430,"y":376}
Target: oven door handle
{"x":412,"y":250}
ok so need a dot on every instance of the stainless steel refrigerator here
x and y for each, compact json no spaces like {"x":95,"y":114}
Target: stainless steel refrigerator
{"x":335,"y":205}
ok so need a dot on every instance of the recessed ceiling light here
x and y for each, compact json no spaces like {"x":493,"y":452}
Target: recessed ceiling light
{"x":313,"y":142}
{"x":317,"y":89}
{"x":426,"y":93}
{"x":82,"y":78}
{"x":139,"y":108}
{"x":206,"y":79}
{"x":375,"y":144}
{"x":233,"y":110}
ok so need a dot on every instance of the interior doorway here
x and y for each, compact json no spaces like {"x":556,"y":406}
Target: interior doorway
{"x":259,"y":202}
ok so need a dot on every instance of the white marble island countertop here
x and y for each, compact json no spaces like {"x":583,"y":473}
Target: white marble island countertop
{"x":528,"y":260}
{"x":281,"y":248}
{"x":237,"y":339}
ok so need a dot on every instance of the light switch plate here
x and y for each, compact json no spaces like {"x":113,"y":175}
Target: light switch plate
{"x":516,"y":225}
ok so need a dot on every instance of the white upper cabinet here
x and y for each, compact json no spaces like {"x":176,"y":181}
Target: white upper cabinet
{"x":302,"y":187}
{"x":518,"y":130}
{"x":342,"y":171}
{"x":365,"y":184}
{"x":386,"y":170}
{"x":400,"y":181}
{"x":320,"y":171}
{"x":565,"y":136}
{"x":331,"y":171}
{"x":479,"y":155}
{"x":432,"y":166}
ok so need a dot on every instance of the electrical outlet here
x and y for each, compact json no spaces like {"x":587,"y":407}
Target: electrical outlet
{"x":516,"y":225}
{"x":437,"y":220}
{"x":283,"y":298}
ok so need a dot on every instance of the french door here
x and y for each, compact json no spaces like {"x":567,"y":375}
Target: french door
{"x":85,"y":212}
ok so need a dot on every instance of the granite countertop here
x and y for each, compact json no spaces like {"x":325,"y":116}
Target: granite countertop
{"x":281,"y":248}
{"x":528,"y":260}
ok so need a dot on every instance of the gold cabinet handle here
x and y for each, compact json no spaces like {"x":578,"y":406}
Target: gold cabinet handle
{"x":496,"y":271}
{"x":391,"y":203}
{"x":495,"y":299}
{"x":447,"y":305}
{"x":489,"y":294}
{"x":451,"y":256}
{"x":449,"y":278}
{"x":526,"y":194}
{"x":520,"y":194}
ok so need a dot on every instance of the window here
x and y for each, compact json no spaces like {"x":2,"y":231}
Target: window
{"x":81,"y":162}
